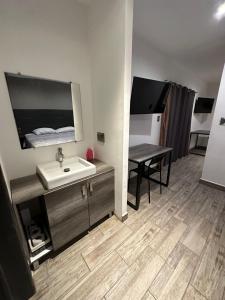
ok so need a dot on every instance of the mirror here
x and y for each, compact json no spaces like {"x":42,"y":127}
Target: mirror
{"x":46,"y":112}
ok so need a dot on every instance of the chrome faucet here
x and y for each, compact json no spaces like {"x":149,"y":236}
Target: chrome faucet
{"x":60,"y":157}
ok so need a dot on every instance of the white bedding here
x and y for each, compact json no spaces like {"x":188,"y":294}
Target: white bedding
{"x":35,"y":141}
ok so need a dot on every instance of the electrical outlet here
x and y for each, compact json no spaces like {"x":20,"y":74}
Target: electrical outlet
{"x":158,"y":118}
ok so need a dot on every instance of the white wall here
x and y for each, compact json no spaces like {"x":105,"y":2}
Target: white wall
{"x":4,"y":172}
{"x":111,"y":49}
{"x":153,"y":64}
{"x":46,"y":39}
{"x":204,"y":121}
{"x":66,"y":41}
{"x":214,"y":166}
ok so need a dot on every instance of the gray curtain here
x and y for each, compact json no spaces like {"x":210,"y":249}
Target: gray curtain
{"x":176,"y":120}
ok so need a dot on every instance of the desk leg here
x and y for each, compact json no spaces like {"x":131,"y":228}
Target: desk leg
{"x":138,"y":187}
{"x":190,"y":141}
{"x":169,"y":168}
{"x":196,"y":142}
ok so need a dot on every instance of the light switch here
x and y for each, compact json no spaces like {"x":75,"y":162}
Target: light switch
{"x":101,"y":137}
{"x":222,"y":121}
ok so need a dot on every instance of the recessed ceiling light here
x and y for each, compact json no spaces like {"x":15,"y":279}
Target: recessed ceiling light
{"x":220,"y":13}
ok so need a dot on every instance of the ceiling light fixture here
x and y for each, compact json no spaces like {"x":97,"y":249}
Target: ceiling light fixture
{"x":220,"y":13}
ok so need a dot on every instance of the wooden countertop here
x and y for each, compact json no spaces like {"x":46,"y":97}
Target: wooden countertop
{"x":29,"y":187}
{"x":26,"y":188}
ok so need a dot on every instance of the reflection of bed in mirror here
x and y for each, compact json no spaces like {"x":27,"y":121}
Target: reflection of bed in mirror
{"x":39,"y":103}
{"x":34,"y":141}
{"x":59,"y":121}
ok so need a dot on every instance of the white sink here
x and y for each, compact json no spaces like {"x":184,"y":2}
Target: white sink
{"x":53,"y":175}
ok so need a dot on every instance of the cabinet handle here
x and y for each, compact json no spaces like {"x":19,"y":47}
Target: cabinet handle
{"x":84,"y":191}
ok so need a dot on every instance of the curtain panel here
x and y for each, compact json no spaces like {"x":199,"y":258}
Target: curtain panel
{"x":176,"y":120}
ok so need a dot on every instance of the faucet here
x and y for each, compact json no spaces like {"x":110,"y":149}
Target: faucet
{"x":60,"y":157}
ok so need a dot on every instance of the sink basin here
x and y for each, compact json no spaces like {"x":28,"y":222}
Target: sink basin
{"x":72,"y":169}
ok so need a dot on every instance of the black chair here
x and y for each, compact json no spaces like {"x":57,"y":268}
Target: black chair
{"x":154,"y":166}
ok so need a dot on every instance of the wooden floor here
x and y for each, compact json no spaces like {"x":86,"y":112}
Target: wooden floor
{"x":173,"y":248}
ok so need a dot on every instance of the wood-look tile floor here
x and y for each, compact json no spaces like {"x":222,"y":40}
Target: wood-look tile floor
{"x":173,"y":248}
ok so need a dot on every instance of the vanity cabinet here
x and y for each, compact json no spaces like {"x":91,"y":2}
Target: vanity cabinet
{"x":101,"y":196}
{"x":67,"y":211}
{"x":74,"y":209}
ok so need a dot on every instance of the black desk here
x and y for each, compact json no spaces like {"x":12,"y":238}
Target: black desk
{"x":140,"y":154}
{"x":198,"y":150}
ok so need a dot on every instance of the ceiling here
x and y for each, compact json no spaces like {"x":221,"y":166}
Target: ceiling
{"x":186,"y":30}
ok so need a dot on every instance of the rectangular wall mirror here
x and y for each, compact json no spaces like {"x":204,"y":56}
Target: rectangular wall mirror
{"x":46,"y":112}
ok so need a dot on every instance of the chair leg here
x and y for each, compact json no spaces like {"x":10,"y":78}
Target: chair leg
{"x":160,"y":175}
{"x":149,"y":194}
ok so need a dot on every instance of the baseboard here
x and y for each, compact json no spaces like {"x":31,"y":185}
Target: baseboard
{"x":212,"y":184}
{"x":124,"y":217}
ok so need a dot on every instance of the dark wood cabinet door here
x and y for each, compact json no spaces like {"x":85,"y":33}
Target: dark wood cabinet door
{"x":101,"y":196}
{"x":67,"y":211}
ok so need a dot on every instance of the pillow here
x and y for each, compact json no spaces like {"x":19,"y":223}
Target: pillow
{"x":65,"y":129}
{"x":44,"y":130}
